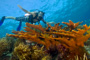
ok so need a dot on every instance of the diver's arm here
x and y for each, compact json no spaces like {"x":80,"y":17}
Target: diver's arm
{"x":26,"y":10}
{"x":52,"y":22}
{"x":48,"y":22}
{"x":43,"y":21}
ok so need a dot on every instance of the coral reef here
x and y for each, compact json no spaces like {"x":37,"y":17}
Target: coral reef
{"x":6,"y":47}
{"x":25,"y":52}
{"x":72,"y":25}
{"x":18,"y":41}
{"x":54,"y":28}
{"x":84,"y":57}
{"x":58,"y":52}
{"x":72,"y":40}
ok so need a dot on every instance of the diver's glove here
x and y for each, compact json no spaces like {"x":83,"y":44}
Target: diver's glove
{"x":51,"y":22}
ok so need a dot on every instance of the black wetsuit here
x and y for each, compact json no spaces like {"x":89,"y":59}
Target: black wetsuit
{"x":25,"y":18}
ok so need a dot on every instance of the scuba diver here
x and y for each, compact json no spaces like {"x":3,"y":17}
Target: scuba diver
{"x":31,"y":17}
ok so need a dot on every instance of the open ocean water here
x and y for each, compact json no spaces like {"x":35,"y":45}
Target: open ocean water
{"x":55,"y":10}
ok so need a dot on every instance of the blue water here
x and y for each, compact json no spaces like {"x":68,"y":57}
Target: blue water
{"x":55,"y":10}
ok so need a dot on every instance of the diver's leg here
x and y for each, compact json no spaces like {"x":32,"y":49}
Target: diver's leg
{"x":22,"y":18}
{"x":16,"y":18}
{"x":19,"y":26}
{"x":10,"y":17}
{"x":4,"y":17}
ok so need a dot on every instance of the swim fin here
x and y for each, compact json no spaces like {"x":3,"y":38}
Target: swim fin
{"x":19,"y":27}
{"x":2,"y":20}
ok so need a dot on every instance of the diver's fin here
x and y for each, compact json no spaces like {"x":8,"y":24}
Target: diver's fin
{"x":2,"y":20}
{"x":24,"y":9}
{"x":19,"y":27}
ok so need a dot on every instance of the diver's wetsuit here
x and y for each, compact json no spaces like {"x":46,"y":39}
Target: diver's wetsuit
{"x":29,"y":18}
{"x":25,"y":18}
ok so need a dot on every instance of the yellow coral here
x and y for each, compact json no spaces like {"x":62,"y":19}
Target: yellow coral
{"x":24,"y":52}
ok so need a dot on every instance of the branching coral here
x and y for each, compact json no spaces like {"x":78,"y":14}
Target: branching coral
{"x":35,"y":26}
{"x":72,"y":25}
{"x":54,"y":28}
{"x":24,"y":52}
{"x":54,"y":36}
